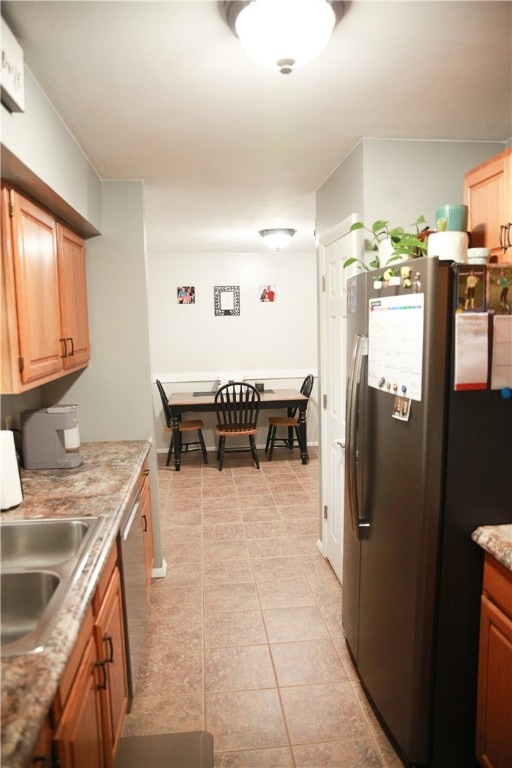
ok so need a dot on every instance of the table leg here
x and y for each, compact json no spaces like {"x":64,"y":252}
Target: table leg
{"x":303,"y":436}
{"x":291,"y":434}
{"x":175,"y":420}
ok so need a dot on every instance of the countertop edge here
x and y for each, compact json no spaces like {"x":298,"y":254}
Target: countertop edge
{"x":30,"y":681}
{"x":497,"y":541}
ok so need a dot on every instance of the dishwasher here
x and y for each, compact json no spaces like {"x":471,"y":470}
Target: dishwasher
{"x":133,"y":579}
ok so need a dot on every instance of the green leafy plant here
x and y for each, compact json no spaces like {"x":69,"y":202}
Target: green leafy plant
{"x":408,"y":245}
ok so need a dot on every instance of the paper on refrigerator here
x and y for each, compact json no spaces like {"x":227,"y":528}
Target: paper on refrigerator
{"x":501,"y":373}
{"x":471,"y":350}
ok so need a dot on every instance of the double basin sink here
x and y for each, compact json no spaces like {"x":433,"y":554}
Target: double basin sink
{"x":40,"y":562}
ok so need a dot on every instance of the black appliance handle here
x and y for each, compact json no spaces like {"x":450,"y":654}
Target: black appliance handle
{"x":359,"y":350}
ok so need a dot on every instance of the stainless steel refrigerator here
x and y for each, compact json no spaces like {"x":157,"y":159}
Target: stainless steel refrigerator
{"x":428,"y":460}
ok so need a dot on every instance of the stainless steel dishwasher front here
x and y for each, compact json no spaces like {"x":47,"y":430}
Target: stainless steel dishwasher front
{"x":135,"y":601}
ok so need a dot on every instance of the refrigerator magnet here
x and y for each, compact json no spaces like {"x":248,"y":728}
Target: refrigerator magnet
{"x":401,"y":408}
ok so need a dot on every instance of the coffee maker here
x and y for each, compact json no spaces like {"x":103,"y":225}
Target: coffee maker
{"x":50,"y":438}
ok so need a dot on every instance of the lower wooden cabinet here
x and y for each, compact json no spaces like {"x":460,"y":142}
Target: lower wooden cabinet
{"x":43,"y":754}
{"x":90,"y":707}
{"x":494,"y":708}
{"x":110,"y":648}
{"x":79,"y":735}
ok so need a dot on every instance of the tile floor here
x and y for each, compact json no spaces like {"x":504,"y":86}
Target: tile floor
{"x":245,"y":635}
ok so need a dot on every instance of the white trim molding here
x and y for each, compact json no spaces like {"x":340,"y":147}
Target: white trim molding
{"x":214,"y":376}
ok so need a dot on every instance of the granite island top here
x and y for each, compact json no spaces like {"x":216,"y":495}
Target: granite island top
{"x":100,"y":486}
{"x":497,"y":540}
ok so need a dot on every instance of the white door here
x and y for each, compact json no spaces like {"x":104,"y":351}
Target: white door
{"x":334,"y":249}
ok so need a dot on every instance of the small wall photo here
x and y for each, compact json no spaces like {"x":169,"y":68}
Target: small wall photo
{"x":186,"y":294}
{"x":267,"y":293}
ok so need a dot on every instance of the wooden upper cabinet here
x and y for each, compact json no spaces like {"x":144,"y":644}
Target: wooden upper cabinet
{"x":44,"y":321}
{"x":488,"y":195}
{"x":30,"y":338}
{"x":73,"y":298}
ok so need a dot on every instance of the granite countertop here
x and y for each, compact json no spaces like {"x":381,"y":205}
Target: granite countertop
{"x":101,"y":485}
{"x":497,"y":540}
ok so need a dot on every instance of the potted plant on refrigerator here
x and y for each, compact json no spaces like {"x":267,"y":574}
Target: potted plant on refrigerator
{"x":391,"y":244}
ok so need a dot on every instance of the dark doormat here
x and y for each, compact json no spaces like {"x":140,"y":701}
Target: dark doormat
{"x":193,"y":749}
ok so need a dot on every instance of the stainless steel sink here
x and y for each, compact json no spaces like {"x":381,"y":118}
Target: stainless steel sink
{"x":25,"y":597}
{"x":40,"y":562}
{"x":40,"y":543}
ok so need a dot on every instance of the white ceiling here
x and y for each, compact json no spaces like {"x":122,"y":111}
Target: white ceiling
{"x":163,"y":91}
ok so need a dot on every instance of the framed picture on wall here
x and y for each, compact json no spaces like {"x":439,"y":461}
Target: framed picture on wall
{"x":267,"y":293}
{"x":227,"y":299}
{"x":186,"y":294}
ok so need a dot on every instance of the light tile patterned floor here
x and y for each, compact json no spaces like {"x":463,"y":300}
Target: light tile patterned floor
{"x":245,"y":635}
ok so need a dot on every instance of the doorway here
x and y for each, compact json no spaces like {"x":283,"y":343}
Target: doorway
{"x":335,"y":247}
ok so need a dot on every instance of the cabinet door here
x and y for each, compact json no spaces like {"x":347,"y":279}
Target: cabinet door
{"x":487,"y":193}
{"x":79,"y":736}
{"x":110,"y":646}
{"x":494,"y":718}
{"x":73,"y":298}
{"x":36,"y":289}
{"x":42,"y":754}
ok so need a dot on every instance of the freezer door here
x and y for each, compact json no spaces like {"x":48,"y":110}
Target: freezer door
{"x":401,"y":504}
{"x":397,"y":576}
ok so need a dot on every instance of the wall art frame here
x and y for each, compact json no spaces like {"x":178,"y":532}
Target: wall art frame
{"x":226,"y":300}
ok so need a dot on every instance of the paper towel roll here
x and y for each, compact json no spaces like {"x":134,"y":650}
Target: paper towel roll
{"x":449,"y":246}
{"x":11,"y":494}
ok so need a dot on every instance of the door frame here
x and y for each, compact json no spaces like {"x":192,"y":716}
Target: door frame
{"x":356,"y":241}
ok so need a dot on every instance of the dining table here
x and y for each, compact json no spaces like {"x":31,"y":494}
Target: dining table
{"x":270,"y":399}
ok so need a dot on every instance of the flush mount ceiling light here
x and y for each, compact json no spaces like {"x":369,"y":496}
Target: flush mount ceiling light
{"x":283,"y":34}
{"x":277,"y":238}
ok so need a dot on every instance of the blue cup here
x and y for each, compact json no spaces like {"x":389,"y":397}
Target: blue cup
{"x":452,"y":218}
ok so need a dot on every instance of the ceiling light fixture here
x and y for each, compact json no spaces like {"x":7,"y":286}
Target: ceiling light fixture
{"x":277,"y":238}
{"x":283,"y":34}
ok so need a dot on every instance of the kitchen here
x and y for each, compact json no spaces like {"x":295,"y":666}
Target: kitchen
{"x":118,"y":307}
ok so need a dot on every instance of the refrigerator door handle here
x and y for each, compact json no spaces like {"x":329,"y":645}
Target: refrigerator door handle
{"x":360,"y":349}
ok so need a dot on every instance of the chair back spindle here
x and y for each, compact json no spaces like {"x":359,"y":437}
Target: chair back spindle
{"x":237,"y":406}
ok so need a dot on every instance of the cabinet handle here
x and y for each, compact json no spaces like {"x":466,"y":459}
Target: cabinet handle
{"x":505,"y":236}
{"x":110,"y":658}
{"x":45,"y":760}
{"x":70,"y":339}
{"x":144,"y":524}
{"x":102,"y":686}
{"x":65,"y":344}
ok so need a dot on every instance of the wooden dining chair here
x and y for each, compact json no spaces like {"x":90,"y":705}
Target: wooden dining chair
{"x":185,"y":425}
{"x":290,"y":422}
{"x":237,"y":407}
